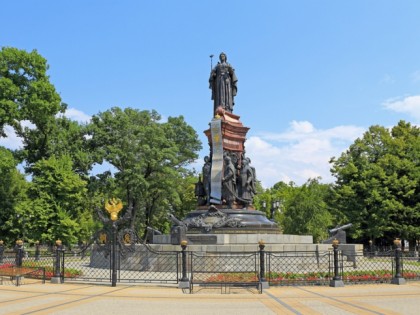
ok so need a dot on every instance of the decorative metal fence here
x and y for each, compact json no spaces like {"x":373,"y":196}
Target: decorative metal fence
{"x":148,"y":265}
{"x":19,"y":267}
{"x":86,"y":266}
{"x":223,"y":269}
{"x":298,"y":268}
{"x":381,"y":267}
{"x":143,"y":264}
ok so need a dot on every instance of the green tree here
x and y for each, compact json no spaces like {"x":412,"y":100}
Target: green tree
{"x":306,"y":211}
{"x":377,"y":186}
{"x":13,"y":193}
{"x":25,"y":91}
{"x":184,"y":200}
{"x":65,"y":137}
{"x":26,"y":94}
{"x":150,"y":157}
{"x":301,"y":209}
{"x":58,"y":202}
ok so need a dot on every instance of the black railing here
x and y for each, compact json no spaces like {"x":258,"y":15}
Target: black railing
{"x":299,"y":268}
{"x":225,"y":270}
{"x":17,"y":267}
{"x":222,"y":269}
{"x":141,"y":265}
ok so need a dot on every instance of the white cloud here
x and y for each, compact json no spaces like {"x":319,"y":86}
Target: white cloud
{"x":103,"y":167}
{"x":300,"y":153}
{"x":77,"y":115}
{"x":302,"y":126}
{"x":12,"y":140}
{"x":408,"y":105}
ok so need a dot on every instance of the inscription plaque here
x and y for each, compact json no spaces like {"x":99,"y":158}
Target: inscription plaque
{"x":202,"y":239}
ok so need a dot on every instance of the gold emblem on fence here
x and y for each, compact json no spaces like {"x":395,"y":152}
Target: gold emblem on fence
{"x":113,"y":206}
{"x":127,"y":238}
{"x":102,"y":238}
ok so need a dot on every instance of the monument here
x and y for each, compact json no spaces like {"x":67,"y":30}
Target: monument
{"x":225,"y":219}
{"x":226,"y":192}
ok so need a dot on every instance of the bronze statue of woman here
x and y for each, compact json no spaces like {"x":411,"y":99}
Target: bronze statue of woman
{"x":223,"y":83}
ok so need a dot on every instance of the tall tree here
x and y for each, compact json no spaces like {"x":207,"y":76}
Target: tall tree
{"x":13,"y":193}
{"x":377,"y":186}
{"x":50,"y":145}
{"x":58,"y":202}
{"x":25,"y":91}
{"x":65,"y":137}
{"x":150,"y":157}
{"x":306,"y":210}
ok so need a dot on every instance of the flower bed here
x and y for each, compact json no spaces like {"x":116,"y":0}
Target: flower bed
{"x":310,"y":278}
{"x":291,"y":278}
{"x":29,"y":266}
{"x":232,"y":277}
{"x":368,"y":276}
{"x":7,"y":265}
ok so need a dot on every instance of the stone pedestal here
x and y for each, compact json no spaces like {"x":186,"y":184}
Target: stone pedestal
{"x":183,"y":285}
{"x":336,"y":283}
{"x":56,"y":280}
{"x":284,"y":241}
{"x":398,"y":281}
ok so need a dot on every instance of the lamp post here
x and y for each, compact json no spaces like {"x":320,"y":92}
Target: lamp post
{"x":275,"y":205}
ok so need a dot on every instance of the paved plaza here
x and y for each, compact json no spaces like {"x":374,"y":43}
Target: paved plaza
{"x":79,"y":299}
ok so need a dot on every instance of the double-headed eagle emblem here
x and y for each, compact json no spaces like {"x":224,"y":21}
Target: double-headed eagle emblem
{"x":113,"y":206}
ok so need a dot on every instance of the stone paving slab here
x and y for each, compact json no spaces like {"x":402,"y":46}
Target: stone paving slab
{"x":156,"y":299}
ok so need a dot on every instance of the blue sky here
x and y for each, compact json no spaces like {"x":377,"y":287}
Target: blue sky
{"x":313,"y":75}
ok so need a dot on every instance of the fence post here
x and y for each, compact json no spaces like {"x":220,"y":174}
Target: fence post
{"x":418,"y":250}
{"x":19,"y":253}
{"x":336,"y":280}
{"x":37,"y":250}
{"x":1,"y":251}
{"x":18,"y":260}
{"x":398,"y":278}
{"x":184,"y":282}
{"x":262,"y":280}
{"x":114,"y":231}
{"x":57,"y":265}
{"x":370,"y":255}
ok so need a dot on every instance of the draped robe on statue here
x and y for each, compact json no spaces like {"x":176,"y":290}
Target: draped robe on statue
{"x":223,"y":84}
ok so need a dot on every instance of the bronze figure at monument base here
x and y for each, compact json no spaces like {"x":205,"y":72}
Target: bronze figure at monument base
{"x":229,"y":221}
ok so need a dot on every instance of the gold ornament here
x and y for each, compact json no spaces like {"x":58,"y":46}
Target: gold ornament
{"x":113,"y":206}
